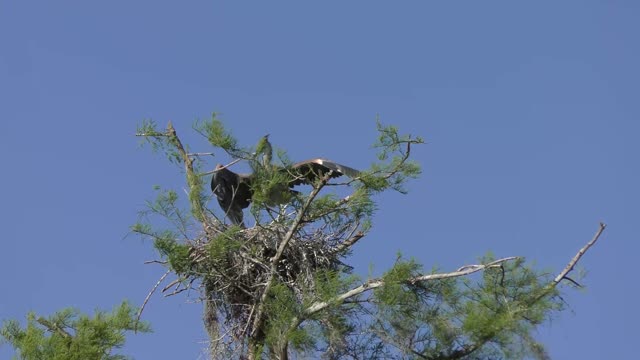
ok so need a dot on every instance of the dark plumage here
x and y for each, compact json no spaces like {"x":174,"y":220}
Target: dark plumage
{"x":234,"y":191}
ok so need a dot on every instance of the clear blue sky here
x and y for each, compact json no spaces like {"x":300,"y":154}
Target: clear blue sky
{"x":531,"y":111}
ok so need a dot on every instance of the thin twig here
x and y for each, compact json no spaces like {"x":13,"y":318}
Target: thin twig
{"x":156,"y":262}
{"x":171,"y":284}
{"x":220,"y":168}
{"x":135,"y":328}
{"x":573,"y":281}
{"x":157,"y":134}
{"x":178,"y":290}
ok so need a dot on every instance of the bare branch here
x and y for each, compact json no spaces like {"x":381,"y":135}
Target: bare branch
{"x":376,"y":283}
{"x":157,"y":134}
{"x":580,"y":253}
{"x":135,"y":328}
{"x":172,"y":284}
{"x":223,"y":167}
{"x":348,"y":243}
{"x":156,"y":262}
{"x":54,"y":327}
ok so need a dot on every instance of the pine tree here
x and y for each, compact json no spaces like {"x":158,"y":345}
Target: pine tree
{"x":69,"y":335}
{"x":284,"y":286}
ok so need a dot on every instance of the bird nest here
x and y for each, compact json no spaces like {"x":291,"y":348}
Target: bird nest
{"x":233,"y":264}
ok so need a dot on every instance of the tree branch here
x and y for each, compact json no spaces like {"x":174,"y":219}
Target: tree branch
{"x":470,"y":348}
{"x":224,"y":167}
{"x":257,"y":320}
{"x":376,"y":283}
{"x":563,"y":274}
{"x":347,"y":243}
{"x":146,"y":300}
{"x":54,"y":327}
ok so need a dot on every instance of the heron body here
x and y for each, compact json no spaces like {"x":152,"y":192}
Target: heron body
{"x":264,"y":148}
{"x":234,"y":191}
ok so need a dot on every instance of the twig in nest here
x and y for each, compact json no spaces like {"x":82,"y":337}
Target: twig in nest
{"x":178,"y":290}
{"x":348,"y":243}
{"x":171,"y":284}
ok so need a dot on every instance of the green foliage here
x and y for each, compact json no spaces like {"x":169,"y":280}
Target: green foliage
{"x":270,"y":188}
{"x":360,"y":204}
{"x":282,"y":306}
{"x":390,"y":141}
{"x":159,"y":140}
{"x":69,"y":335}
{"x":395,"y":291}
{"x":213,"y":129}
{"x":196,"y":196}
{"x":507,"y":306}
{"x":395,"y":168}
{"x":219,"y":247}
{"x":216,"y":133}
{"x":328,"y":283}
{"x":165,"y":242}
{"x":176,"y":254}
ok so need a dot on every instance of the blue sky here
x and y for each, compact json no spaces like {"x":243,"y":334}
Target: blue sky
{"x":530,"y":111}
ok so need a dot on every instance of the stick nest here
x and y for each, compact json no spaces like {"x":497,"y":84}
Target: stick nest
{"x":233,"y":265}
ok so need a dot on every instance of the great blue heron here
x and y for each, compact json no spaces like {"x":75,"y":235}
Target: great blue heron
{"x":234,"y":191}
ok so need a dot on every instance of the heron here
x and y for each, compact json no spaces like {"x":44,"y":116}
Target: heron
{"x":235,"y":192}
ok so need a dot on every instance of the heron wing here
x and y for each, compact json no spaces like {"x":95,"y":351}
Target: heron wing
{"x":308,"y":171}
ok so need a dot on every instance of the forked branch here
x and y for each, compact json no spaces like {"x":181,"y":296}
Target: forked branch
{"x":463,"y":271}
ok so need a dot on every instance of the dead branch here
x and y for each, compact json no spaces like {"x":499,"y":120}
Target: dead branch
{"x":146,"y":300}
{"x":463,"y":271}
{"x":376,"y":283}
{"x":156,"y":262}
{"x":563,"y":274}
{"x":172,"y":284}
{"x":348,"y":243}
{"x":223,"y":167}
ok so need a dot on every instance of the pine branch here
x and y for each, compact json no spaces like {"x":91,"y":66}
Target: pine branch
{"x":224,"y":167}
{"x":54,"y":327}
{"x":188,"y":166}
{"x":467,"y":349}
{"x":565,"y":272}
{"x":376,"y":283}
